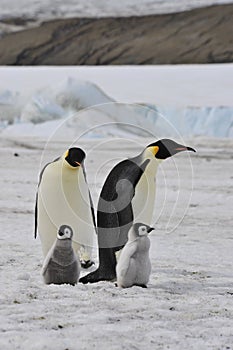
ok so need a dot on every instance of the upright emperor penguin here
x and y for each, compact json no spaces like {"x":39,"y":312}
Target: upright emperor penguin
{"x":134,"y":267}
{"x":128,"y":195}
{"x":63,"y":196}
{"x":61,"y":264}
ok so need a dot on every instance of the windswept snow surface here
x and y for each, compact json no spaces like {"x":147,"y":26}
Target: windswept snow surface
{"x":189,"y":301}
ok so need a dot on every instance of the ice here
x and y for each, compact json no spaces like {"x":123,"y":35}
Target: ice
{"x":7,"y":97}
{"x":41,"y":109}
{"x":10,"y":106}
{"x":77,"y":94}
{"x":208,"y":121}
{"x":76,"y":104}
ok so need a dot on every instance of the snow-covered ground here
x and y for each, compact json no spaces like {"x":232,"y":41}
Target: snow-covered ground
{"x":32,"y":12}
{"x":189,"y":301}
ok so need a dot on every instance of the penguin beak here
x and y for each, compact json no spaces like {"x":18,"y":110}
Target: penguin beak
{"x":180,"y":149}
{"x":190,"y":149}
{"x":150,"y":229}
{"x":79,"y":164}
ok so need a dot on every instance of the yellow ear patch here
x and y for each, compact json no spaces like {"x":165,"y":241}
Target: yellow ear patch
{"x":66,"y":154}
{"x":154,"y":149}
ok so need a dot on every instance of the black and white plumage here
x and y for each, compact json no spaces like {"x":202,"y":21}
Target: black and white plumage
{"x":134,"y":266}
{"x":63,"y":196}
{"x":128,"y":195}
{"x":61,"y":264}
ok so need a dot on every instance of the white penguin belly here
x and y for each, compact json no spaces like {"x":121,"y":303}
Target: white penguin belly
{"x":63,"y":198}
{"x":144,"y":198}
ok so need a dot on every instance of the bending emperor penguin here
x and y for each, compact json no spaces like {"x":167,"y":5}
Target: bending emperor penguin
{"x":63,"y":196}
{"x":128,"y":195}
{"x":61,"y":264}
{"x":134,"y":267}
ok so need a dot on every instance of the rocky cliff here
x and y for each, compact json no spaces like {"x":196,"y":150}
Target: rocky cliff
{"x":198,"y":36}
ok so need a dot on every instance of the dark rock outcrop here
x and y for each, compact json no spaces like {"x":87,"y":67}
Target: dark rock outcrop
{"x":198,"y":36}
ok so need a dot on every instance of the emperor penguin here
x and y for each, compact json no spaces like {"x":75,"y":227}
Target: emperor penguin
{"x":63,"y":196}
{"x":61,"y":264}
{"x":134,"y":267}
{"x":128,"y":195}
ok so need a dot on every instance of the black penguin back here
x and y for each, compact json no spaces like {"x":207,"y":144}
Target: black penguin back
{"x":114,"y":213}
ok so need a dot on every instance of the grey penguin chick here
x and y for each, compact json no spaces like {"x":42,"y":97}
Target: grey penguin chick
{"x":134,"y":266}
{"x":61,"y":264}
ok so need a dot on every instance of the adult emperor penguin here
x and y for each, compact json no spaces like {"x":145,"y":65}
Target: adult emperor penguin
{"x":128,"y":195}
{"x":61,"y":264}
{"x":134,"y":266}
{"x":63,"y":196}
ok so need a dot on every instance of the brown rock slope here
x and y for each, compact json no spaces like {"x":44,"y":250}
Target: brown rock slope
{"x":199,"y":36}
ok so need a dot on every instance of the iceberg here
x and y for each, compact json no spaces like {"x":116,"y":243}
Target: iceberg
{"x":85,"y":110}
{"x":202,"y":121}
{"x":10,"y":107}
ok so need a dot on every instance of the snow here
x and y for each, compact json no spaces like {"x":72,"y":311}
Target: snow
{"x":190,"y":101}
{"x":31,"y":13}
{"x":45,"y":9}
{"x":189,"y":300}
{"x":188,"y":303}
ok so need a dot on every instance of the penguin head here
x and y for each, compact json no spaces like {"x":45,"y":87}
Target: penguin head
{"x":166,"y":148}
{"x":139,"y":229}
{"x":65,"y":232}
{"x":75,"y":156}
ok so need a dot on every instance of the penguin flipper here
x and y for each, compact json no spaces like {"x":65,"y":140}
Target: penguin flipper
{"x":42,"y":171}
{"x":36,"y":216}
{"x":45,"y":266}
{"x":126,"y":276}
{"x":137,"y":171}
{"x":47,"y":259}
{"x":90,"y":198}
{"x":36,"y":203}
{"x":126,"y":258}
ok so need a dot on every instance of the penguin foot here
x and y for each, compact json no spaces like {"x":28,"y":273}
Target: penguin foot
{"x":97,"y":276}
{"x":141,"y":285}
{"x":85,"y":264}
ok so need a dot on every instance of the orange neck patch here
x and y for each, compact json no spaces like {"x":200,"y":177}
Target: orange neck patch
{"x":153,"y":149}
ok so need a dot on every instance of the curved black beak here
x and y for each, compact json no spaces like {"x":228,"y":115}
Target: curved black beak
{"x":191,"y":149}
{"x":150,"y":229}
{"x":184,"y":148}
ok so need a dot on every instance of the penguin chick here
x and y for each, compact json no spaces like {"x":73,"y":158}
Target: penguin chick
{"x":134,"y":267}
{"x":61,"y":264}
